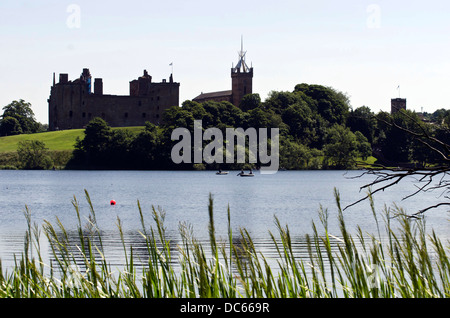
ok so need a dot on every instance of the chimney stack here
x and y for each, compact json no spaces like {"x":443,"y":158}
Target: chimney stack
{"x":98,"y":86}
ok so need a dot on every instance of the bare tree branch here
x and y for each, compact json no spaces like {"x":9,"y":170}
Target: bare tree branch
{"x":429,"y":178}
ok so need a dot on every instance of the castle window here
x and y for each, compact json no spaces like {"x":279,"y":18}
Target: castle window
{"x":144,"y":115}
{"x":139,"y":103}
{"x":157,"y":115}
{"x":84,"y":115}
{"x":157,"y":98}
{"x":70,"y":114}
{"x":89,"y":115}
{"x":126,"y":115}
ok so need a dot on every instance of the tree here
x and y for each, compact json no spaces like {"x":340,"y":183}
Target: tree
{"x":249,"y":102}
{"x":430,"y":178}
{"x":363,"y":120}
{"x":341,"y":147}
{"x":344,"y":147}
{"x":93,"y":148}
{"x":175,"y":117}
{"x":395,"y":143}
{"x":331,"y":104}
{"x":33,"y":155}
{"x":301,"y":122}
{"x":145,"y":148}
{"x":294,"y":155}
{"x":118,"y":149}
{"x":21,"y":111}
{"x":279,"y":101}
{"x":10,"y":126}
{"x":97,"y":135}
{"x":441,"y":116}
{"x":363,"y":146}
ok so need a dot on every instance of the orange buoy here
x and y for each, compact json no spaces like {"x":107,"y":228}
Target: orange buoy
{"x":112,"y":202}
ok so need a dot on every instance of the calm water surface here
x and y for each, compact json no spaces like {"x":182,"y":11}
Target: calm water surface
{"x":293,"y":196}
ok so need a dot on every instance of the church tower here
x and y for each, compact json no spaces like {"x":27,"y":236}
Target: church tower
{"x":241,"y":78}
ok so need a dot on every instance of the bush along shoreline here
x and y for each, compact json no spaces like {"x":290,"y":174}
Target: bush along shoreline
{"x":407,"y":263}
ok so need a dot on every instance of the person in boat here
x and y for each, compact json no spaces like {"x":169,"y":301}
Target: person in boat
{"x":241,"y":173}
{"x":251,"y":172}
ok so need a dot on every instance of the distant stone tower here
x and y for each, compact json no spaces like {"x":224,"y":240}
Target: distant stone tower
{"x":397,"y":104}
{"x":241,"y":84}
{"x":241,"y":78}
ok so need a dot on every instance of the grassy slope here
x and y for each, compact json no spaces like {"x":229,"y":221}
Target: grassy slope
{"x":54,"y":140}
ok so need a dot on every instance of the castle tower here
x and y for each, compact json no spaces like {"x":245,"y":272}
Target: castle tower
{"x":86,"y":78}
{"x":397,"y":104}
{"x":241,"y":78}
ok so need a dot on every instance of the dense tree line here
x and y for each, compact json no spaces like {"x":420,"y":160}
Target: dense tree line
{"x":318,"y":130}
{"x":311,"y":121}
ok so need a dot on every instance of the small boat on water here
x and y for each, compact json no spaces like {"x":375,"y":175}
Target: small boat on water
{"x":222,"y":173}
{"x":243,"y":174}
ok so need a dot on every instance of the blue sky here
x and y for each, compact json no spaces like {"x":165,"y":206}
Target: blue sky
{"x":363,"y":48}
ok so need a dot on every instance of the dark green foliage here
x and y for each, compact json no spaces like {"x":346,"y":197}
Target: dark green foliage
{"x":249,"y":102}
{"x":97,"y":135}
{"x":24,"y":119}
{"x":94,"y":149}
{"x":279,"y":101}
{"x":295,"y":155}
{"x":396,"y":145}
{"x":363,"y":120}
{"x":301,"y":122}
{"x":363,"y":146}
{"x":144,"y":148}
{"x":343,"y":147}
{"x":33,"y":155}
{"x":10,"y":126}
{"x":330,"y":104}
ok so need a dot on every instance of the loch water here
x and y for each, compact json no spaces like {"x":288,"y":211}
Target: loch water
{"x":294,"y":197}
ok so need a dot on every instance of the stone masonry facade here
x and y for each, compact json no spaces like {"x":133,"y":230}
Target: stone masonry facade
{"x":72,"y":104}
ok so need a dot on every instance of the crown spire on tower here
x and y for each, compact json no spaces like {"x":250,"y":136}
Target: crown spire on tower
{"x":241,"y":66}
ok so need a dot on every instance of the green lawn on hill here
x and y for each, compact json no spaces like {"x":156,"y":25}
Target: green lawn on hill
{"x":54,"y":140}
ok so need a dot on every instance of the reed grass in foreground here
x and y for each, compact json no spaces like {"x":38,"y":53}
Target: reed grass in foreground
{"x":410,"y":264}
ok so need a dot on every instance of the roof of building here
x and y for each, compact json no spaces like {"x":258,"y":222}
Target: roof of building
{"x":214,"y":94}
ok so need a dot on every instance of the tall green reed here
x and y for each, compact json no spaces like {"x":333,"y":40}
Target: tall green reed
{"x":402,"y":262}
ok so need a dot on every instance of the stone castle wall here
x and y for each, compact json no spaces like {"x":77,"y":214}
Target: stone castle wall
{"x":72,"y":104}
